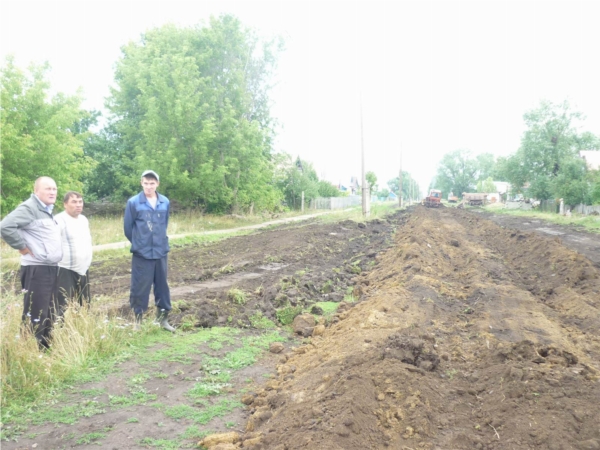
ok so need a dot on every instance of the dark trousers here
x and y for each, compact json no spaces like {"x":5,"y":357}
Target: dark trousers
{"x":146,"y":273}
{"x":72,"y":286}
{"x":39,"y":285}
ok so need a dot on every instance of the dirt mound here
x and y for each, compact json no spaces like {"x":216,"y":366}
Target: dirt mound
{"x":469,"y":336}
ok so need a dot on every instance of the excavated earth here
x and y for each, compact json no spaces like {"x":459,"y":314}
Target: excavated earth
{"x":465,"y":333}
{"x":469,"y":335}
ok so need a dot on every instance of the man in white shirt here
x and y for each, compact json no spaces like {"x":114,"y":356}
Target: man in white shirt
{"x":73,"y":280}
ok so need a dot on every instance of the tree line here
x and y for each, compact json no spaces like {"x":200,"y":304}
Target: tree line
{"x":191,"y":103}
{"x":547,"y":164}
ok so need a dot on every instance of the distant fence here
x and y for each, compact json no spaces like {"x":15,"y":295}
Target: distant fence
{"x":586,"y":209}
{"x":338,"y":202}
{"x":552,"y":206}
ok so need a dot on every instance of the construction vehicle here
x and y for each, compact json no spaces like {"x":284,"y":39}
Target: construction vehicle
{"x":452,"y":198}
{"x":474,"y":198}
{"x":433,"y":200}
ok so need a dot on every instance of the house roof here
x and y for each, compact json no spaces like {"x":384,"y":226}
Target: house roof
{"x":592,"y":158}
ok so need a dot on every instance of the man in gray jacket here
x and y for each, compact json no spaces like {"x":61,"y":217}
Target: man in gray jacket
{"x":32,"y":230}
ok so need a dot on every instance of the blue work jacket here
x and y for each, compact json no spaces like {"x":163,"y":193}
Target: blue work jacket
{"x":146,"y":227}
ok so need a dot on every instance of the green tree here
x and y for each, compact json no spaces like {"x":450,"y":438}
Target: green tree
{"x":486,"y":185}
{"x":457,"y":172}
{"x":371,"y":180}
{"x":547,"y":160}
{"x":192,"y":104}
{"x":299,"y":176}
{"x":39,"y":135}
{"x":410,"y":188}
{"x":326,"y":189}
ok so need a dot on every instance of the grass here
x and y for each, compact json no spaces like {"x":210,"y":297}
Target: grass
{"x":237,"y":296}
{"x":590,"y":223}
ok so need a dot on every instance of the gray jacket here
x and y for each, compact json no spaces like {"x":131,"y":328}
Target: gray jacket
{"x":31,"y":226}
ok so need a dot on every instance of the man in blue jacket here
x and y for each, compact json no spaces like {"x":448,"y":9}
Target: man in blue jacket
{"x":146,"y":220}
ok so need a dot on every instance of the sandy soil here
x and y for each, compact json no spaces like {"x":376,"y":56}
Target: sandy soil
{"x":467,"y":334}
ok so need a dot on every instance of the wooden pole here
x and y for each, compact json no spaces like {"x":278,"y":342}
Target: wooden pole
{"x":400,"y":180}
{"x":365,"y":189}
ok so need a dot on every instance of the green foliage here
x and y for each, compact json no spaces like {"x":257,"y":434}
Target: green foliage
{"x":192,"y":103}
{"x":547,"y":164}
{"x":486,"y":185}
{"x":287,"y":314}
{"x":237,"y":295}
{"x":371,"y":180}
{"x":261,"y":322}
{"x":410,"y":188}
{"x":326,"y":189}
{"x":457,"y":172}
{"x":39,"y":136}
{"x":295,"y":178}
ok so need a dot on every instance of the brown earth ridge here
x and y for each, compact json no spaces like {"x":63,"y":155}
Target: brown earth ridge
{"x":468,"y":336}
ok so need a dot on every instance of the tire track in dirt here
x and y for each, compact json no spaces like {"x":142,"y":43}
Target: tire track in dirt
{"x":468,"y":336}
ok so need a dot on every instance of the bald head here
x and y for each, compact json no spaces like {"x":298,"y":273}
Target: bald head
{"x":45,"y":189}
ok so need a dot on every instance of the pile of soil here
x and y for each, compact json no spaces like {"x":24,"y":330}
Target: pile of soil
{"x":468,"y":336}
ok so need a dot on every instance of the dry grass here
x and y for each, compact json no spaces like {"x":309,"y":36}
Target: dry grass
{"x":81,"y":339}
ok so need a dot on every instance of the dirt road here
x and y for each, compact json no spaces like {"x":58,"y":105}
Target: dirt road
{"x":466,"y":335}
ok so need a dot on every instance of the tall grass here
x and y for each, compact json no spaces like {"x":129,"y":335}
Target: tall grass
{"x":82,"y":343}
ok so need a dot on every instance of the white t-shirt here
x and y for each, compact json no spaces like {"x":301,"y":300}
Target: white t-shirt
{"x":76,"y":242}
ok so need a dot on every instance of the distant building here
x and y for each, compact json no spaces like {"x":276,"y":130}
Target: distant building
{"x":592,"y":158}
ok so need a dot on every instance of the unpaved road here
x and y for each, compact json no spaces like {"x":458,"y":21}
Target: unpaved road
{"x":467,"y":334}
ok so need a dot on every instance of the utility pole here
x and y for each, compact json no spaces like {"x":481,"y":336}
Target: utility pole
{"x":400,"y":179}
{"x":365,"y":189}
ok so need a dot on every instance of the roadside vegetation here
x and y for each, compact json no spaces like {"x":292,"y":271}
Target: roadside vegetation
{"x":589,"y":223}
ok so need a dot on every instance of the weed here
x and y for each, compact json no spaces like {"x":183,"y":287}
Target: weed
{"x":194,"y":432}
{"x":287,"y":314}
{"x":450,"y":373}
{"x":237,"y":296}
{"x":228,"y":268}
{"x":328,"y":307}
{"x":90,"y":437}
{"x":350,"y":298}
{"x":229,"y":424}
{"x":204,"y":415}
{"x":133,"y":420}
{"x":163,"y":444}
{"x":161,"y":375}
{"x":188,"y":322}
{"x":261,"y":322}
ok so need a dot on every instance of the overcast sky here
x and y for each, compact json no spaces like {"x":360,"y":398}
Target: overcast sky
{"x":433,"y":76}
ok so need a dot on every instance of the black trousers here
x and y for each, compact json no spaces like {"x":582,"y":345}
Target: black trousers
{"x":146,"y":273}
{"x":72,"y":286}
{"x":39,"y":285}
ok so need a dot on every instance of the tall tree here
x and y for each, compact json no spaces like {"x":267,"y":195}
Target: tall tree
{"x":547,"y":164}
{"x":457,"y":172}
{"x":192,"y":103}
{"x":40,"y":135}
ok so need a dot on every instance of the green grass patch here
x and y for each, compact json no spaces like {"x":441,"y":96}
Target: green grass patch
{"x":287,"y":314}
{"x":202,"y":415}
{"x":163,"y":444}
{"x":590,"y":223}
{"x":237,"y":296}
{"x":261,"y":322}
{"x":327,"y":307}
{"x":90,"y":437}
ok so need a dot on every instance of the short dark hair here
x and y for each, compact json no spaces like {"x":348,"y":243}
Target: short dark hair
{"x":70,"y":194}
